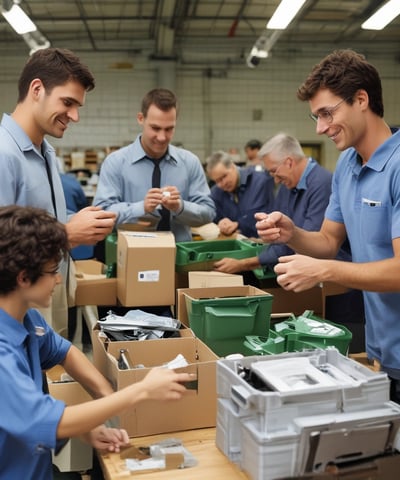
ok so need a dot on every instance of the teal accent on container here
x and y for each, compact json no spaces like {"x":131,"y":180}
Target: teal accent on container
{"x":316,"y":331}
{"x":275,"y":344}
{"x":223,"y":323}
{"x":200,"y":255}
{"x":111,"y":254}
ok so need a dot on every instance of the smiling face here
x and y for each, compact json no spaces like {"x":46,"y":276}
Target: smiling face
{"x":39,"y":293}
{"x":158,"y":129}
{"x":53,"y":111}
{"x":346,"y":124}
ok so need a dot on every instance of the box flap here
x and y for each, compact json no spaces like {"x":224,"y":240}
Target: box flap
{"x":147,"y":239}
{"x":199,"y":279}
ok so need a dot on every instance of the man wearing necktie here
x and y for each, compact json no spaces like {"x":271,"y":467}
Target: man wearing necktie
{"x":151,"y":180}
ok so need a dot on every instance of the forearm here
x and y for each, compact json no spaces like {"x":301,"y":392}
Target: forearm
{"x":79,"y":419}
{"x":249,"y":263}
{"x":84,"y":372}
{"x":314,"y":244}
{"x":380,"y":276}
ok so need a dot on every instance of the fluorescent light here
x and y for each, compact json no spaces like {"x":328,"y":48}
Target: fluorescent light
{"x":284,"y":14}
{"x":19,"y":20}
{"x":383,"y":16}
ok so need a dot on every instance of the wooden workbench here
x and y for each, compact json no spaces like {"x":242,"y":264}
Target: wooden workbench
{"x":201,"y":444}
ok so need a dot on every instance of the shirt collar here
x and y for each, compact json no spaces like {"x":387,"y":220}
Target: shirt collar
{"x":21,"y":138}
{"x":139,"y":153}
{"x":302,"y":184}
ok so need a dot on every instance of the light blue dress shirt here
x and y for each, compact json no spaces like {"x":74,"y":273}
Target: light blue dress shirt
{"x":125,"y":178}
{"x":23,"y":179}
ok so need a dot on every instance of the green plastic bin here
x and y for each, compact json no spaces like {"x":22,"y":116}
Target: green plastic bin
{"x":110,"y":254}
{"x":275,"y":344}
{"x":201,"y":255}
{"x":316,"y":331}
{"x":222,"y":323}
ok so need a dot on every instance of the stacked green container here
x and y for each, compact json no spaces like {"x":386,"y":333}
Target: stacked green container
{"x":223,"y":323}
{"x":202,"y":254}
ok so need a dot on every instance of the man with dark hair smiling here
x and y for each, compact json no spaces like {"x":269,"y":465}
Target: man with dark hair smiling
{"x":344,"y":93}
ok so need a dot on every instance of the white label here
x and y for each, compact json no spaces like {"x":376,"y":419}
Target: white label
{"x":149,"y":276}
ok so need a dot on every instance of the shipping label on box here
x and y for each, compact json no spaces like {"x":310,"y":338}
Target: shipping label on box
{"x":197,"y":409}
{"x":145,"y":268}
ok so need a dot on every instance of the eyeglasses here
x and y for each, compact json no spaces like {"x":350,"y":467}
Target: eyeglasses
{"x":326,"y":114}
{"x":54,"y":272}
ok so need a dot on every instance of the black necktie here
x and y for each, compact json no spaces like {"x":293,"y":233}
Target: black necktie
{"x":164,"y":223}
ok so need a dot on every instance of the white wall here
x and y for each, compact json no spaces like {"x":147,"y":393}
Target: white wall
{"x":216,"y":106}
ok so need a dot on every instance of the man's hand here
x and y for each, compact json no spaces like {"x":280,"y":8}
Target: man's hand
{"x":274,"y":228}
{"x":228,"y":265}
{"x":227,"y":226}
{"x":299,"y":272}
{"x":152,"y":199}
{"x":89,"y":226}
{"x":109,"y":439}
{"x":171,"y":199}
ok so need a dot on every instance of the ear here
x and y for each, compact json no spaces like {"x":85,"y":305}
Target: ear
{"x":361,"y":98}
{"x":23,"y":280}
{"x":140,"y":118}
{"x":36,"y":88}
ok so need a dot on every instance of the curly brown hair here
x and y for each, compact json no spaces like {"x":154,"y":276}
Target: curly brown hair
{"x":30,"y":238}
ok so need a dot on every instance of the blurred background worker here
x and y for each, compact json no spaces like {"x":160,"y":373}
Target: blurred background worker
{"x":238,"y":193}
{"x":251,"y":150}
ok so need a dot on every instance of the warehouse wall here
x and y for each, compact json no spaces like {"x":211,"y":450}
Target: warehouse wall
{"x":220,"y":107}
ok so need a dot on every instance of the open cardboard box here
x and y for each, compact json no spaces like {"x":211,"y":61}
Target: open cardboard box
{"x":75,"y":455}
{"x":92,"y":286}
{"x":196,"y":410}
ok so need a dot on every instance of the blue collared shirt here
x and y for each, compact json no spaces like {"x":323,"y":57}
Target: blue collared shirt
{"x":366,"y":199}
{"x":125,"y":178}
{"x":29,"y":418}
{"x":23,"y":179}
{"x":305,"y":205}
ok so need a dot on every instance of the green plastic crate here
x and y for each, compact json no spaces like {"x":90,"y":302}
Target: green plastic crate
{"x":222,"y":323}
{"x":275,"y":344}
{"x":316,"y":331}
{"x":201,"y":255}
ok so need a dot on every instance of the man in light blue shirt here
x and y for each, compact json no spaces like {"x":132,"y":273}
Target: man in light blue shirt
{"x":51,"y":89}
{"x":126,"y":183}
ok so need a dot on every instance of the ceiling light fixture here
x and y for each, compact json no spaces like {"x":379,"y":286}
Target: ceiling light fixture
{"x":18,"y":19}
{"x":383,"y":16}
{"x":284,"y":14}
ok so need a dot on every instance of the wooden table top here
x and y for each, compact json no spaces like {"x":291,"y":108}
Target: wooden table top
{"x":212,"y":463}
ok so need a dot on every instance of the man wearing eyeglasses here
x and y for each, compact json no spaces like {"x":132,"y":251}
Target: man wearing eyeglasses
{"x":345,"y":97}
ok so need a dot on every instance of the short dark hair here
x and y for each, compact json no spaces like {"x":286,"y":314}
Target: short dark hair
{"x":253,"y":144}
{"x":162,"y":98}
{"x":54,"y":67}
{"x":30,"y":238}
{"x":344,"y":72}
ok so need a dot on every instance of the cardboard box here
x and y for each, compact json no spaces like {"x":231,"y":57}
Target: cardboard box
{"x":214,"y":279}
{"x":145,"y":268}
{"x":196,"y":410}
{"x":75,"y":455}
{"x":312,"y":299}
{"x":93,"y":288}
